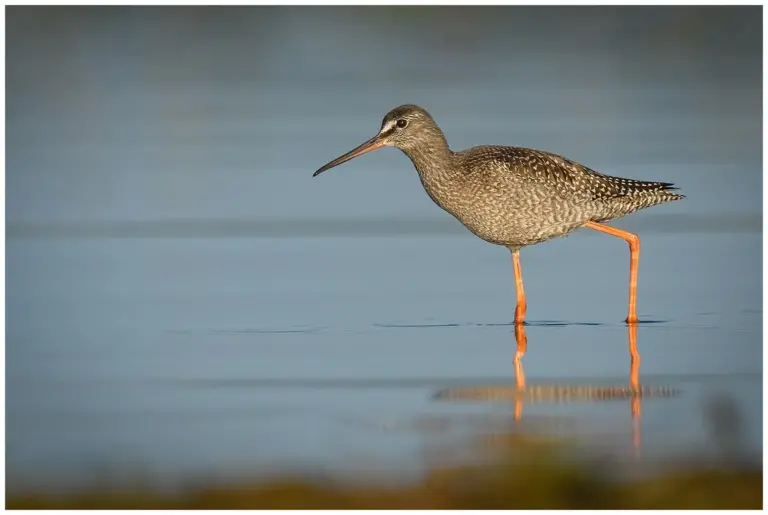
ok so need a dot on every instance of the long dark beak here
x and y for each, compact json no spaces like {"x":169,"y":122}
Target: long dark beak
{"x":370,"y":145}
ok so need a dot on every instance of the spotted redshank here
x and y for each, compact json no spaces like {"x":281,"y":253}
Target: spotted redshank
{"x":512,"y":196}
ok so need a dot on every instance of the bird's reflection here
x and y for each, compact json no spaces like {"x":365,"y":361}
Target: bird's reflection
{"x":634,"y":379}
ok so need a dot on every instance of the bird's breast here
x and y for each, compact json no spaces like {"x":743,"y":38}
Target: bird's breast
{"x":487,"y":212}
{"x":501,"y":212}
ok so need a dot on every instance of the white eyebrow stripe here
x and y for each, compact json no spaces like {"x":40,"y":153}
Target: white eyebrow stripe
{"x":389,"y":126}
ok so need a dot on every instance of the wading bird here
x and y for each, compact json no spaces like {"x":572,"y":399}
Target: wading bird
{"x":512,"y":196}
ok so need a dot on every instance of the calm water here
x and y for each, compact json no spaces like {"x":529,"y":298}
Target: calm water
{"x":178,"y":357}
{"x":183,"y":299}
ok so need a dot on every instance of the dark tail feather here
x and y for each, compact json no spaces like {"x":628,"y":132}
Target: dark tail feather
{"x":664,"y":190}
{"x":665,"y":186}
{"x":620,"y":187}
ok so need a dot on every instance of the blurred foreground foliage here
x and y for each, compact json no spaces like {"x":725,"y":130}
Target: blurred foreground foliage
{"x":538,"y":475}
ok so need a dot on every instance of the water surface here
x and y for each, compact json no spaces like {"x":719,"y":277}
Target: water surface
{"x":183,"y":299}
{"x":185,"y":357}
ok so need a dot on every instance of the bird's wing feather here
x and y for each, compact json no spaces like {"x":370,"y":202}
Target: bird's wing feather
{"x":562,"y":173}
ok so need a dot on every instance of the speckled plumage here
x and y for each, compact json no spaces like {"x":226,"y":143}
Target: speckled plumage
{"x":515,"y":196}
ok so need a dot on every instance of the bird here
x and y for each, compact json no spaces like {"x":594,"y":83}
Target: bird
{"x":515,"y":197}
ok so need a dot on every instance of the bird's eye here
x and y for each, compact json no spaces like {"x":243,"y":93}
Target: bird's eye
{"x":402,"y":123}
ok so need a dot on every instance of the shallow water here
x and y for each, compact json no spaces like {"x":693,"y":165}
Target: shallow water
{"x":184,"y":300}
{"x":186,"y":357}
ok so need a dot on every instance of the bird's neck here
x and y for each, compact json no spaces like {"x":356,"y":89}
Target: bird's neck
{"x":437,"y":167}
{"x":433,"y":159}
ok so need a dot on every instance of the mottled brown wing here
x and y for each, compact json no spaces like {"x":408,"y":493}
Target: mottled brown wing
{"x":601,"y":186}
{"x":520,"y":165}
{"x":561,"y":175}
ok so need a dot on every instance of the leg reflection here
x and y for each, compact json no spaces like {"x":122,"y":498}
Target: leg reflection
{"x":634,"y":383}
{"x":634,"y":380}
{"x":522,"y":346}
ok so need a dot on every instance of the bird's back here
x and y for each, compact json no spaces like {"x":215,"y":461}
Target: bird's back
{"x":520,"y":196}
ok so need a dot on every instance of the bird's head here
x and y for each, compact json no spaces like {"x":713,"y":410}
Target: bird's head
{"x":405,"y":127}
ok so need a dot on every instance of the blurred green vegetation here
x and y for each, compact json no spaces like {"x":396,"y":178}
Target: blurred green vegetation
{"x":537,"y":475}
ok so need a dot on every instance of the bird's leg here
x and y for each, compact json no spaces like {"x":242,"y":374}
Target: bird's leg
{"x":634,"y":260}
{"x":521,"y":305}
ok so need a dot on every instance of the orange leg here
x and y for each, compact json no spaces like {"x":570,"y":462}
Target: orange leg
{"x":521,"y":304}
{"x":634,"y":260}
